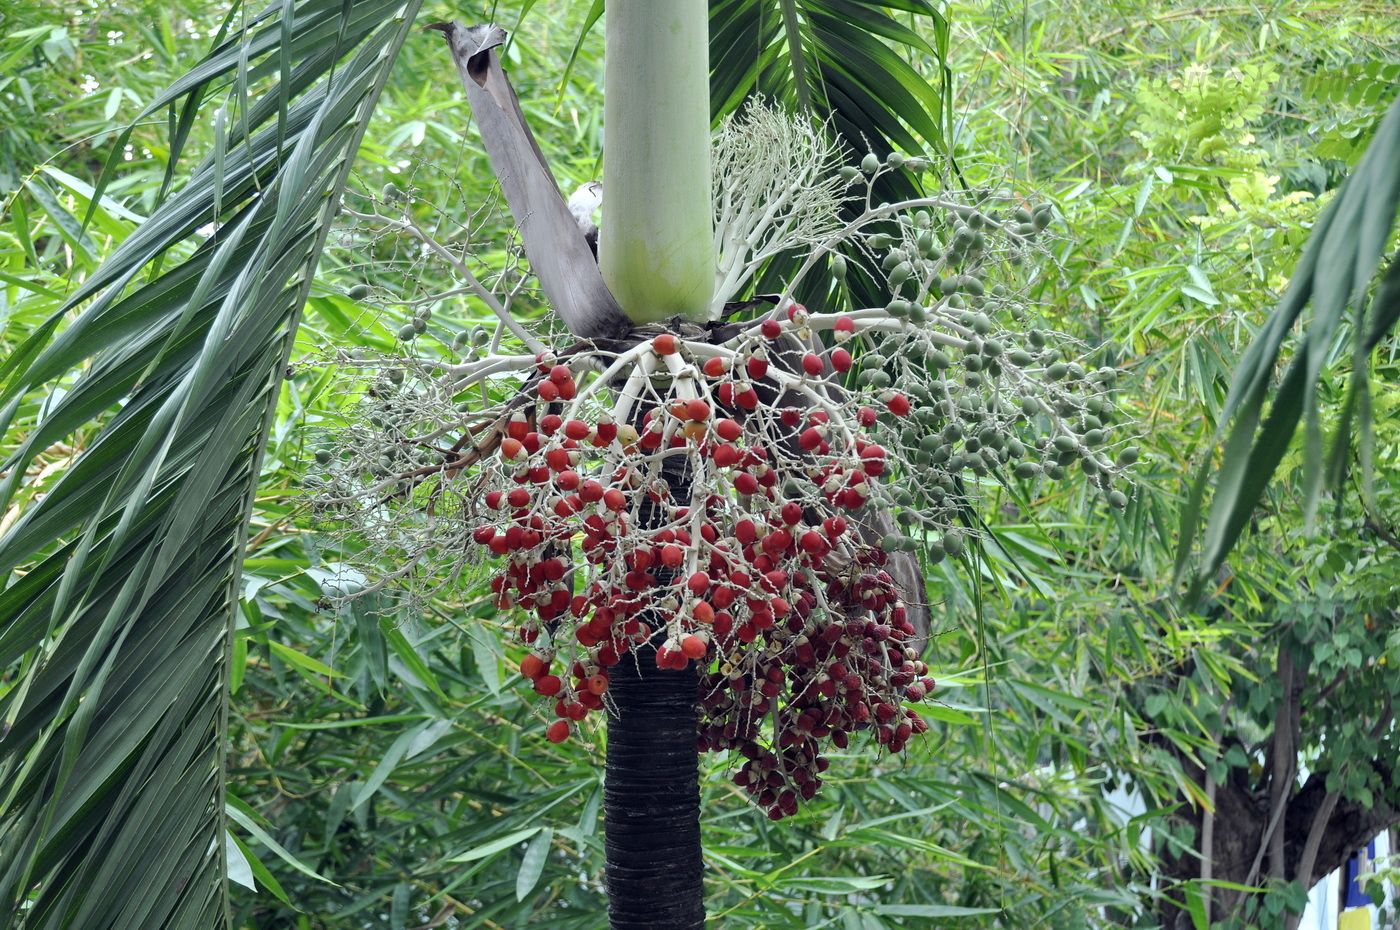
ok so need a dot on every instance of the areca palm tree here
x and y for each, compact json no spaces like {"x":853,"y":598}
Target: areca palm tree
{"x":116,"y":625}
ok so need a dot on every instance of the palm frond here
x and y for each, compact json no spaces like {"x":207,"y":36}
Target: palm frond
{"x":1341,"y":259}
{"x":115,"y":630}
{"x":838,"y":60}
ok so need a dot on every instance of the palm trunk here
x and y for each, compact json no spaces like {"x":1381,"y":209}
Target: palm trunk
{"x":651,"y":798}
{"x":651,"y":787}
{"x":656,"y":245}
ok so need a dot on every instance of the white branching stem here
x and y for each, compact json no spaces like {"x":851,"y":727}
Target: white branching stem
{"x":407,"y":224}
{"x":775,"y":189}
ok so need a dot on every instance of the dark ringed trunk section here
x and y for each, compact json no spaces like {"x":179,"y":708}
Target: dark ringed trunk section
{"x":651,"y":798}
{"x":651,"y":784}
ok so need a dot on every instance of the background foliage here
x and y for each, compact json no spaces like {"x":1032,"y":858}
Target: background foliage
{"x":386,"y":771}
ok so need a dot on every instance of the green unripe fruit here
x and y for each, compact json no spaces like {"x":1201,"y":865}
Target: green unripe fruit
{"x":1019,"y":357}
{"x":424,"y":313}
{"x":898,"y":308}
{"x":1041,"y":219}
{"x":358,"y":292}
{"x":1055,"y":472}
{"x":900,"y":274}
{"x":1093,"y":437}
{"x":1117,"y":499}
{"x":1056,"y":371}
{"x":922,"y":219}
{"x":1066,"y":443}
{"x":461,"y":339}
{"x":926,"y":244}
{"x":391,"y":191}
{"x":1023,"y":215}
{"x":1030,"y":406}
{"x":849,"y":174}
{"x":939,"y":359}
{"x":971,"y":285}
{"x":972,"y":363}
{"x":418,"y":324}
{"x":870,"y":163}
{"x":479,"y":336}
{"x":981,"y":324}
{"x":918,"y":313}
{"x":407,"y":332}
{"x":1128,"y":456}
{"x":880,"y":241}
{"x":890,"y":542}
{"x":976,"y":220}
{"x":929,"y":443}
{"x":838,"y":267}
{"x":323,"y":456}
{"x":953,"y":542}
{"x":1037,"y":338}
{"x":1026,"y":229}
{"x":395,"y":375}
{"x":894,"y":160}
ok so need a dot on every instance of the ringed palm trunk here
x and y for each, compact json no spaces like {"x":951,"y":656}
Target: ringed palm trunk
{"x":657,"y":260}
{"x":651,"y":788}
{"x":651,"y":799}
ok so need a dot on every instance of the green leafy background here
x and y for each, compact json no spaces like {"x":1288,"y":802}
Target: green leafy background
{"x":384,"y":768}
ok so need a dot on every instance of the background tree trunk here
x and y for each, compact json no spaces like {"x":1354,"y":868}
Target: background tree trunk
{"x":651,"y":798}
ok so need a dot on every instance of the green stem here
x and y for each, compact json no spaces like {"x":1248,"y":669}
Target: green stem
{"x":656,"y":249}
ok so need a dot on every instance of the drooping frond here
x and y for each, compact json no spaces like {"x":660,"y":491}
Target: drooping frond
{"x":115,"y":625}
{"x":1343,"y":255}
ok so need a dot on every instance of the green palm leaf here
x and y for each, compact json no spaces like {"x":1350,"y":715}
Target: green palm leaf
{"x":114,"y":634}
{"x":1342,"y":257}
{"x":836,"y":59}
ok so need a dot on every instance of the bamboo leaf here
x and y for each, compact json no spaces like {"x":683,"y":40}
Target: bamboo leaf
{"x":532,"y":865}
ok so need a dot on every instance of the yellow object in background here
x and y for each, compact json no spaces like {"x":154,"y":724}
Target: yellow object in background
{"x":1356,"y":918}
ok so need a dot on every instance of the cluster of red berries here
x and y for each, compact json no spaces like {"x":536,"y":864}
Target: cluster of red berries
{"x":755,"y":565}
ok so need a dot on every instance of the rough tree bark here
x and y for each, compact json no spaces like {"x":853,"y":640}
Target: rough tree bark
{"x":1337,"y":827}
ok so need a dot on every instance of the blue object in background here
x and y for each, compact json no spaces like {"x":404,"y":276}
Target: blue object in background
{"x":1354,"y":896}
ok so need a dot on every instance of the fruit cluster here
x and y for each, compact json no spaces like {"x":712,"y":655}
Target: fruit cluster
{"x":745,"y":496}
{"x":721,"y":535}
